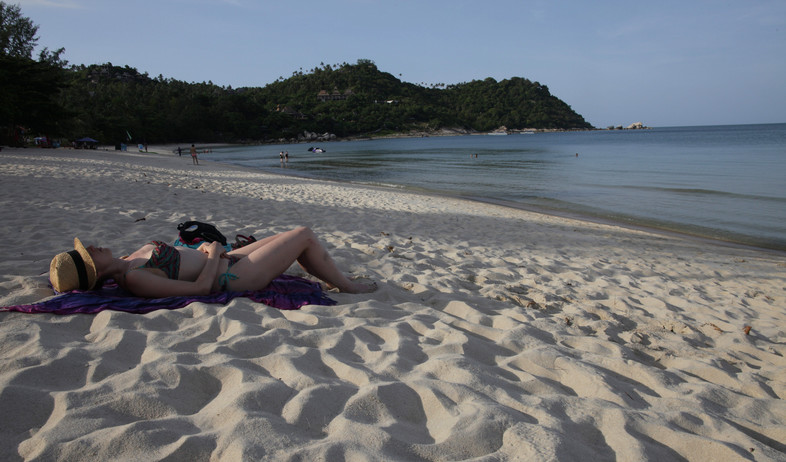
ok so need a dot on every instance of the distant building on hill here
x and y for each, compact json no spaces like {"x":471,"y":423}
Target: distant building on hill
{"x":291,"y":112}
{"x":323,"y":95}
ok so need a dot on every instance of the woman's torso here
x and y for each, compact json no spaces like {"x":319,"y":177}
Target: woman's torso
{"x":191,"y":263}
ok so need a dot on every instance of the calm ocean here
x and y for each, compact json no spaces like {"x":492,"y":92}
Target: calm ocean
{"x":721,"y":182}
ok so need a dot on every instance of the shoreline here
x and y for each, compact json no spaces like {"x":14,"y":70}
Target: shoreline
{"x":578,"y":216}
{"x":653,"y":229}
{"x":495,"y":333}
{"x":684,"y":231}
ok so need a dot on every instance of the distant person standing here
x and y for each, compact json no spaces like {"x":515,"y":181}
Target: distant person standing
{"x":179,"y":152}
{"x":194,"y":155}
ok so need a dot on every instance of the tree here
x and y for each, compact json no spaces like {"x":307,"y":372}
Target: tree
{"x":29,"y":88}
{"x":17,"y":33}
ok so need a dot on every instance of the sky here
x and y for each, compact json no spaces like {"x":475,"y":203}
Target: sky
{"x":662,"y":63}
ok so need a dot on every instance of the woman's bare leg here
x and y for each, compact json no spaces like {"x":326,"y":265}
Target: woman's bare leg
{"x":249,"y":248}
{"x":272,"y":256}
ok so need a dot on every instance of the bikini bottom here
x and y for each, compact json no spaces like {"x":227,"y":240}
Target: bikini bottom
{"x":223,"y":279}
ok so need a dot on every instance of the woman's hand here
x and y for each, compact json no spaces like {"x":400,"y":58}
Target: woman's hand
{"x":212,"y":249}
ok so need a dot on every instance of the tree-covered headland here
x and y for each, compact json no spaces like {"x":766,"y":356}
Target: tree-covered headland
{"x":119,"y":104}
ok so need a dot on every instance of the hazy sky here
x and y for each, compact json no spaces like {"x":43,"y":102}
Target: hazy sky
{"x":663,"y":63}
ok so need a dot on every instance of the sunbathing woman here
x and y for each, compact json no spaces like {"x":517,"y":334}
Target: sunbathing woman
{"x":158,"y":270}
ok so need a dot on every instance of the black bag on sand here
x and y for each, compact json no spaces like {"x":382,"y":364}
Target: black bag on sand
{"x":192,"y":232}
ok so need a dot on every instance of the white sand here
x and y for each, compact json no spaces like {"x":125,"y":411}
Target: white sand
{"x":496,"y":334}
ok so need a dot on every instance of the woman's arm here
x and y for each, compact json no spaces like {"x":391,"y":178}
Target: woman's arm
{"x":150,"y":285}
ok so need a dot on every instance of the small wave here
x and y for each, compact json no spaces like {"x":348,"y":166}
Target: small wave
{"x":693,"y":191}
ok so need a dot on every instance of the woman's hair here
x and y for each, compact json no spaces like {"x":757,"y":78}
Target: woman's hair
{"x":100,"y":282}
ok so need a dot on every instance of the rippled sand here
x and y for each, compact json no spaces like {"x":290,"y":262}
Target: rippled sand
{"x":496,"y":334}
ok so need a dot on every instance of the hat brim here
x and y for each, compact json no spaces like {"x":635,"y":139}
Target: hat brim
{"x":90,"y":266}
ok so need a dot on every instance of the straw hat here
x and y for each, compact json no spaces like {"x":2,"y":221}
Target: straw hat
{"x":73,"y":270}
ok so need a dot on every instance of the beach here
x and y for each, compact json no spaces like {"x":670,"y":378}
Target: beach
{"x":496,"y":333}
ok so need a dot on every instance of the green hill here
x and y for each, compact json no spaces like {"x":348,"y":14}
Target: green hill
{"x":110,"y":102}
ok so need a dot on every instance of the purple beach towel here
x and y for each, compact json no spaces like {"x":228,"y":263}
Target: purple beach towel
{"x":285,"y":293}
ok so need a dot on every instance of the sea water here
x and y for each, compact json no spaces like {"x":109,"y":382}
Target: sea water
{"x":720,"y":182}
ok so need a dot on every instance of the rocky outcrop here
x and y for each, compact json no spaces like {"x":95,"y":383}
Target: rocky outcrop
{"x":311,"y":136}
{"x":633,"y":126}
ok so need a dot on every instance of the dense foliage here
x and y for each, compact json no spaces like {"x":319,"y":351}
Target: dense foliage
{"x":28,"y":88}
{"x":113,"y":102}
{"x":118,"y":104}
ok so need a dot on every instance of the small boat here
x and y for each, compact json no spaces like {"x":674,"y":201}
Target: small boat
{"x":312,"y":149}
